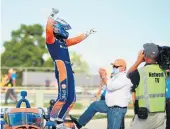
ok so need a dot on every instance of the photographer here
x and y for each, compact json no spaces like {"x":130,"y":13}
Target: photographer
{"x":149,"y":84}
{"x":52,"y":102}
{"x":10,"y":84}
{"x":168,"y":100}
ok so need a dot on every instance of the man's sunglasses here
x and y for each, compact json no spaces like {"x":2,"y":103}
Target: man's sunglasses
{"x":117,"y":66}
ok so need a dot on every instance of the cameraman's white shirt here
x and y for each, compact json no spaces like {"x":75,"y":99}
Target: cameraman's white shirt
{"x":118,"y":90}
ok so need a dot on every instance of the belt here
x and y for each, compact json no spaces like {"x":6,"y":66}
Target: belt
{"x":117,"y":107}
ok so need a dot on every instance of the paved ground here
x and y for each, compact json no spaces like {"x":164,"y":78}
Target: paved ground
{"x":102,"y":124}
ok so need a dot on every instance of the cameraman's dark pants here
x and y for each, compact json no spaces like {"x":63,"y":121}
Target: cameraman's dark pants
{"x":168,"y":113}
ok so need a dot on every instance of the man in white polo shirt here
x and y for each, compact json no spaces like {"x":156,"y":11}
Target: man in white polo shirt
{"x":117,"y":98}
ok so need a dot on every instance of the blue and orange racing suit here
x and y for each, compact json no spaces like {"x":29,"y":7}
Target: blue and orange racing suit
{"x":58,"y":50}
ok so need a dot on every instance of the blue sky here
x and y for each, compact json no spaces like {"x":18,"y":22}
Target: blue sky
{"x":123,"y":26}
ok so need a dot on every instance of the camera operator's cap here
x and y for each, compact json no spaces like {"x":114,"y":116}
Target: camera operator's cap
{"x":151,"y":50}
{"x":119,"y":62}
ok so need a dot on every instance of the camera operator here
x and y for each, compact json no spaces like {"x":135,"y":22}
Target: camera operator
{"x":149,"y":83}
{"x":168,"y":100}
{"x":52,"y":102}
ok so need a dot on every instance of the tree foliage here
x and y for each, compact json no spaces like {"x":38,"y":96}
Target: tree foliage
{"x":79,"y":65}
{"x":25,"y":48}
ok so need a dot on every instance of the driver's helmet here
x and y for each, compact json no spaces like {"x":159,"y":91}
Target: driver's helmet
{"x":60,"y":28}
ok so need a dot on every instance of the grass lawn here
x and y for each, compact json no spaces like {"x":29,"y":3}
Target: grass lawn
{"x":76,"y":105}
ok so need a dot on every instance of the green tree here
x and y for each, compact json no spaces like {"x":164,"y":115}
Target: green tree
{"x":79,"y":65}
{"x":26,"y":47}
